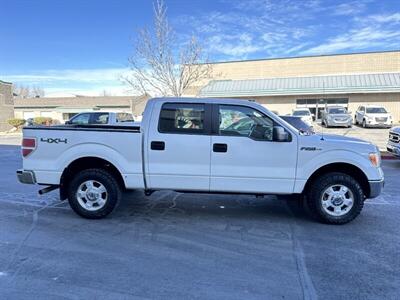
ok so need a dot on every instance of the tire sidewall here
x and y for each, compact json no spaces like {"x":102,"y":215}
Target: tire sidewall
{"x":104,"y":178}
{"x":321,"y":184}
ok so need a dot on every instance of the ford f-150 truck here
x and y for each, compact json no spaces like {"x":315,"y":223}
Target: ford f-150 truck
{"x":192,"y":145}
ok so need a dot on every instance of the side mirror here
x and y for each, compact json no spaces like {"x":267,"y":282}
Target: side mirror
{"x":68,"y":122}
{"x":280,"y":134}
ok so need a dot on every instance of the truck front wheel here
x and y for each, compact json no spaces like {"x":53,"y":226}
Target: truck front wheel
{"x":335,"y":198}
{"x":93,"y":193}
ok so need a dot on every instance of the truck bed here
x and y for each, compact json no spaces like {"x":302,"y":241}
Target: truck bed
{"x":59,"y":146}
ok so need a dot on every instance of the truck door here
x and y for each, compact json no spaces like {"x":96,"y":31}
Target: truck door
{"x":179,"y":146}
{"x":245,"y":157}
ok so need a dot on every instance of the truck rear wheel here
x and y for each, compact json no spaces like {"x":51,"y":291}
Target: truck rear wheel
{"x":93,"y":193}
{"x":335,"y":198}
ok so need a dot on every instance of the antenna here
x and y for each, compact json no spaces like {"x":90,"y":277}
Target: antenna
{"x":316,"y":115}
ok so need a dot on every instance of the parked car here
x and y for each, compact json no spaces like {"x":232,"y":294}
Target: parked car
{"x":299,"y":124}
{"x":190,"y":145}
{"x":102,"y":118}
{"x":304,"y":114}
{"x":373,"y":116}
{"x":393,"y":145}
{"x":336,"y":116}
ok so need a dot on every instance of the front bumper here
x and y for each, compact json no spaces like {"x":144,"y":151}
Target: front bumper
{"x":375,"y":188}
{"x":393,"y":149}
{"x":336,"y":123}
{"x":373,"y":123}
{"x":26,"y":176}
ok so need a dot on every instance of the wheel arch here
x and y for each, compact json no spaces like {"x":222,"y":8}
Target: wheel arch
{"x":345,"y":168}
{"x":84,"y":163}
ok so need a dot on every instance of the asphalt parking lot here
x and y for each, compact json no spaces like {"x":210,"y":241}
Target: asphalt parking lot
{"x":182,"y":246}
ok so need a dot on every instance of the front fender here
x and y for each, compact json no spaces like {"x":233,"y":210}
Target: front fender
{"x":309,"y":163}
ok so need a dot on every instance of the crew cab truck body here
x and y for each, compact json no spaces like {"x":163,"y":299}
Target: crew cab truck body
{"x":190,"y":145}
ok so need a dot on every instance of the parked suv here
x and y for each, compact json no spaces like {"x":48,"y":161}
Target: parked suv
{"x":336,"y":116}
{"x":393,"y":145}
{"x":373,"y":116}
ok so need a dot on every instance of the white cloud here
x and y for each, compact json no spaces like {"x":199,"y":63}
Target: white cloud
{"x":73,"y":81}
{"x":83,"y":75}
{"x":349,"y":8}
{"x":357,"y":39}
{"x":386,"y":18}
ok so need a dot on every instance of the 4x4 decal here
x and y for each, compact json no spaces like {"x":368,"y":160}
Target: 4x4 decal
{"x":53,"y":141}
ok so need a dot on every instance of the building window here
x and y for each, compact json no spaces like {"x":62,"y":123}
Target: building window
{"x":67,"y":116}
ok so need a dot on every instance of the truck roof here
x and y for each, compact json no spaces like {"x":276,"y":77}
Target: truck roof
{"x":202,"y":100}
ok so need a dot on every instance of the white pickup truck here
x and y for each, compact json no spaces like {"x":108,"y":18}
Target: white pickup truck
{"x":202,"y":145}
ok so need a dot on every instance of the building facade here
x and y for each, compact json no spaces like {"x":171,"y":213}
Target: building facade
{"x":6,"y":105}
{"x":62,"y":109}
{"x":283,"y":84}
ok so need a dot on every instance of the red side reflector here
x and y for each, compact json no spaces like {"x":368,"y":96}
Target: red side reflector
{"x":28,"y":146}
{"x":29,"y":142}
{"x":26,"y":152}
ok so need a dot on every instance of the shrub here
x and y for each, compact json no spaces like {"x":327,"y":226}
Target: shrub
{"x":42,"y":120}
{"x":15,"y":122}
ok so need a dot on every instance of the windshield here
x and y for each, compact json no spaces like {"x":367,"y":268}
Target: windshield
{"x":298,"y":123}
{"x":301,"y":113}
{"x":337,"y":110}
{"x":376,"y":110}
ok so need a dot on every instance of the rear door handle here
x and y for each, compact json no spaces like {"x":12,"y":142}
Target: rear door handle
{"x":157,"y":145}
{"x":220,"y":147}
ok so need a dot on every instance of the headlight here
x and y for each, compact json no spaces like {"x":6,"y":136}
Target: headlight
{"x":375,"y":159}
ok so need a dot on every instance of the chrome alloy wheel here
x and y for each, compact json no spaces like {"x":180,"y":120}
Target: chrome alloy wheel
{"x":337,"y":200}
{"x":92,"y":195}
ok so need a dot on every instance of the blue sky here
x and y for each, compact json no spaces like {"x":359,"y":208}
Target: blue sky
{"x":82,"y":46}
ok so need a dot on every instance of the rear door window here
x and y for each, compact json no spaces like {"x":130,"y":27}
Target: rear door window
{"x":182,"y":118}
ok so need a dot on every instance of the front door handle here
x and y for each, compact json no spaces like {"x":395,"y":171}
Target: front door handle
{"x":220,"y":147}
{"x":157,"y":145}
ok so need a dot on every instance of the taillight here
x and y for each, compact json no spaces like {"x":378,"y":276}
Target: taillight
{"x":28,"y":146}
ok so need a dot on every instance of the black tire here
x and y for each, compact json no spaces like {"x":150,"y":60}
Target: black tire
{"x":111,"y":185}
{"x":364,"y":124}
{"x":317,"y":188}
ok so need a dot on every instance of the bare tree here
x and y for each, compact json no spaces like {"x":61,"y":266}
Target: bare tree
{"x":21,"y":91}
{"x":159,"y":65}
{"x":25,"y":91}
{"x":37,"y":92}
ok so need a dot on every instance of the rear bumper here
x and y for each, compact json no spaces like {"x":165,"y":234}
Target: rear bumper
{"x":26,"y":176}
{"x":375,"y":188}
